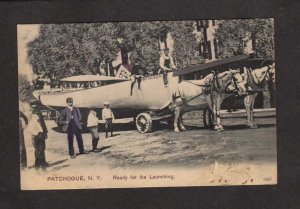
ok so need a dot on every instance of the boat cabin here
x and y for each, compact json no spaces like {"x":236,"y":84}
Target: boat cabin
{"x":86,"y":81}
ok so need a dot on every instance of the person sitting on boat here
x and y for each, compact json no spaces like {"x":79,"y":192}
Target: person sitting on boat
{"x":108,"y":116}
{"x":46,"y":86}
{"x":166,"y":64}
{"x":137,"y":73}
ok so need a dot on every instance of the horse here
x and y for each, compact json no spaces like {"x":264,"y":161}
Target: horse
{"x":197,"y":94}
{"x":253,"y":80}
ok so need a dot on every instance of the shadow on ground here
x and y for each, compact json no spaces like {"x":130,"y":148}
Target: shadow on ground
{"x":118,"y":127}
{"x":60,"y":167}
{"x":57,"y":162}
{"x":104,"y":148}
{"x":239,"y":127}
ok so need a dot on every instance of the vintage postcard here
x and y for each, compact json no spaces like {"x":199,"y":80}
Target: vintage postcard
{"x":147,"y":104}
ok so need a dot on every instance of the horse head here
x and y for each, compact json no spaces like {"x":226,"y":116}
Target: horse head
{"x":271,"y":76}
{"x":237,"y":81}
{"x":266,"y":73}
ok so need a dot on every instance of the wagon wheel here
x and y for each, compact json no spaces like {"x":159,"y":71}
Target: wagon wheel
{"x":144,"y":123}
{"x":208,"y":118}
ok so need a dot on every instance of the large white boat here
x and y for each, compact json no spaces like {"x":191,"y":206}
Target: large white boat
{"x":93,"y":90}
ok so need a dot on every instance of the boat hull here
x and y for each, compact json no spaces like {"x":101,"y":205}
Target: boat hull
{"x":151,"y":96}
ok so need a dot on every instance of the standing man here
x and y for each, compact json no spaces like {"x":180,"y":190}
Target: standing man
{"x":39,"y":131}
{"x":69,"y":119}
{"x":108,"y":116}
{"x":92,"y":124}
{"x":166,"y":64}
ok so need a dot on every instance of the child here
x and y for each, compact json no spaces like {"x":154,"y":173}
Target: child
{"x":108,"y":116}
{"x":92,"y":124}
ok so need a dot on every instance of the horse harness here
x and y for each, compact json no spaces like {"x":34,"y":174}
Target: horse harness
{"x":216,"y":85}
{"x":179,"y":96}
{"x":251,"y":84}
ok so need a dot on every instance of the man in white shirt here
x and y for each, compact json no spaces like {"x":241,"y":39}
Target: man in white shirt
{"x":92,"y":124}
{"x":108,"y":116}
{"x":166,"y":64}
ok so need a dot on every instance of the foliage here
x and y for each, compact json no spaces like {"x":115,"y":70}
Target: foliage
{"x":232,"y":36}
{"x":185,"y":49}
{"x":265,"y":46}
{"x":63,"y":50}
{"x":25,"y":89}
{"x":141,"y":39}
{"x":72,"y":49}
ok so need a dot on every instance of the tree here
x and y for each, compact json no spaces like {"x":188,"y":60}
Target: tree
{"x":185,"y":50}
{"x":63,"y":50}
{"x":141,"y":39}
{"x":233,"y":35}
{"x":263,"y":38}
{"x":72,"y":49}
{"x":25,"y":89}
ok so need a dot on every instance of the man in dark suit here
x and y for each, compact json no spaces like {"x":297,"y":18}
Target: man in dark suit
{"x":69,"y":119}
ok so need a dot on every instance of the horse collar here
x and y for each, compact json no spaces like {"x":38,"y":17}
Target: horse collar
{"x":216,"y":82}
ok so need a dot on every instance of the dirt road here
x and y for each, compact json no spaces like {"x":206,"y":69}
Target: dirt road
{"x":163,"y":147}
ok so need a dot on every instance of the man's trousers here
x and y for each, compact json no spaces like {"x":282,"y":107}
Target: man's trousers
{"x":74,"y":130}
{"x":108,"y":126}
{"x":95,"y":136}
{"x":39,"y":145}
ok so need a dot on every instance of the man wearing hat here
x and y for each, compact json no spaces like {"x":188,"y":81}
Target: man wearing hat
{"x":69,"y":119}
{"x":108,"y":116}
{"x":38,"y":129}
{"x":166,"y":64}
